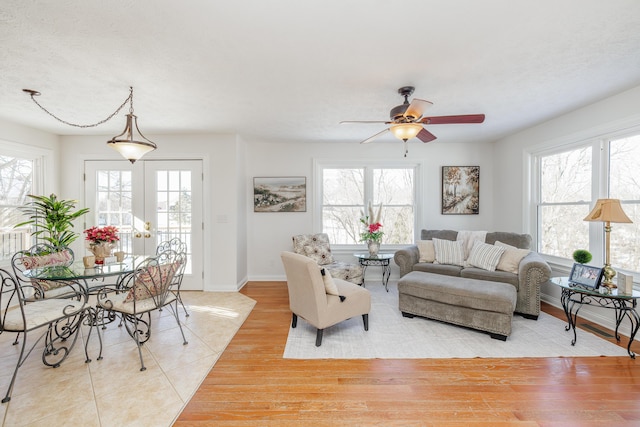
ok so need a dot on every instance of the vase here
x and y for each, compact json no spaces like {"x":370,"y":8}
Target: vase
{"x":101,"y":250}
{"x":374,"y":247}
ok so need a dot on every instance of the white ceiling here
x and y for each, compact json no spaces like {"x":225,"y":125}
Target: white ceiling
{"x":293,"y":69}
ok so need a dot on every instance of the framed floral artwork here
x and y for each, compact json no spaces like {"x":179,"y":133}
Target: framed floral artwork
{"x":280,"y":194}
{"x":460,"y":190}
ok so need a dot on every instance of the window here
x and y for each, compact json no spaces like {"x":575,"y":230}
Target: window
{"x":565,"y":192}
{"x":346,"y":190}
{"x":624,"y":184}
{"x":568,"y":183}
{"x":16,"y":182}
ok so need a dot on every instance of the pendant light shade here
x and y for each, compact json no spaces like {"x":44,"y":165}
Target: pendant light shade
{"x":130,"y":146}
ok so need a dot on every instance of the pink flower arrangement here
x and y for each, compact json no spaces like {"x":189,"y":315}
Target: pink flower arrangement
{"x":107,"y":234}
{"x":372,"y":226}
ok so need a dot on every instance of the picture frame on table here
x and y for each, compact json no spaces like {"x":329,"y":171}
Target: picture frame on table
{"x":280,"y":194}
{"x":460,"y":190}
{"x":586,"y":276}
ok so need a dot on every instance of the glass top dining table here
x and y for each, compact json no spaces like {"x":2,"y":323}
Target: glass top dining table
{"x":77,"y":271}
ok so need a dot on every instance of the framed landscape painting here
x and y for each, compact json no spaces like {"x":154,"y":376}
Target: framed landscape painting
{"x":460,"y":190}
{"x":280,"y":194}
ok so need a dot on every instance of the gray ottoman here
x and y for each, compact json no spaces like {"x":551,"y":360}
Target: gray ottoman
{"x":477,"y":304}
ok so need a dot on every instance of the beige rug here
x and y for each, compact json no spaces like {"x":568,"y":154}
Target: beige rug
{"x":113,"y":391}
{"x":392,"y":336}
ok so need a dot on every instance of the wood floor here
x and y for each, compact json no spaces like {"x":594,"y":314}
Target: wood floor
{"x":252,"y":385}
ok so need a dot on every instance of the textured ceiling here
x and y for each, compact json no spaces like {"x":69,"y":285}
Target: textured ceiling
{"x":292,"y":70}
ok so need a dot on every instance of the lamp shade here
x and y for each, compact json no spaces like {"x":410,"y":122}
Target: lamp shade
{"x":405,"y":131}
{"x":125,"y":143}
{"x":608,"y":210}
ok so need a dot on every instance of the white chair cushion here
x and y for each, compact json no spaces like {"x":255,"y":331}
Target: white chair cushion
{"x":427,"y":251}
{"x":40,"y":313}
{"x":117,"y":302}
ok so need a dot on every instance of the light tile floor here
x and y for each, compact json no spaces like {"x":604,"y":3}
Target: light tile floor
{"x":113,"y":391}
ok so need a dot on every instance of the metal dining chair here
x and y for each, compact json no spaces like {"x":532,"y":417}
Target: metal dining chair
{"x":57,"y":320}
{"x":180,"y":247}
{"x":139,"y":293}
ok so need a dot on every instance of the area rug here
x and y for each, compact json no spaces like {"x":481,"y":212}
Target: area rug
{"x":392,"y":336}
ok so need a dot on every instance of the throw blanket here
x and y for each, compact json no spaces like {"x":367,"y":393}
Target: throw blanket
{"x":468,"y":237}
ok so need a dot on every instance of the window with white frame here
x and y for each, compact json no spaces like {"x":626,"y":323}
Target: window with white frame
{"x":569,"y":180}
{"x":16,"y":182}
{"x":346,"y":190}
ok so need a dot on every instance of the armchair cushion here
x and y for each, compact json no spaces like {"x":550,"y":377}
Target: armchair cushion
{"x":320,"y":253}
{"x":329,"y":285}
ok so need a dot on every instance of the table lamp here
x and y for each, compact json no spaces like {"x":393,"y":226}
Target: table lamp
{"x":608,"y":211}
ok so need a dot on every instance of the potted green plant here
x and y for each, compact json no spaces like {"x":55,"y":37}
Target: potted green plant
{"x":52,"y":219}
{"x":582,"y":256}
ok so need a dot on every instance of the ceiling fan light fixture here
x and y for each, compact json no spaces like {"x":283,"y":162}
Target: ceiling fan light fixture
{"x":405,"y":131}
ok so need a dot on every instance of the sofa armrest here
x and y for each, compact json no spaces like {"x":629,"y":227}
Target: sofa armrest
{"x":533,"y":271}
{"x":406,"y":258}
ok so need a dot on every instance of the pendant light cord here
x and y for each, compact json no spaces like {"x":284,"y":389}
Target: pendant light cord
{"x":129,"y":99}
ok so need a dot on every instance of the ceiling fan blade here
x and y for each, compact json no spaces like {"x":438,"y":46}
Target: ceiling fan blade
{"x":425,"y":136}
{"x":415,"y":110}
{"x":349,"y":122}
{"x":442,"y":120}
{"x":371,"y":138}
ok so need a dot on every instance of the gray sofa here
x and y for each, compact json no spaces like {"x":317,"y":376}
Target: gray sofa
{"x":533,"y":271}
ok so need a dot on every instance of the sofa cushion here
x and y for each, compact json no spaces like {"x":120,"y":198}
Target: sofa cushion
{"x":493,"y":276}
{"x":439,"y":234}
{"x":449,"y":252}
{"x":510,"y":259}
{"x":520,"y":241}
{"x":484,"y":256}
{"x":427,"y":251}
{"x":429,"y":267}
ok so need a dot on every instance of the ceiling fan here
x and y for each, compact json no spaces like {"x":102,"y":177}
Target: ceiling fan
{"x":407,"y":121}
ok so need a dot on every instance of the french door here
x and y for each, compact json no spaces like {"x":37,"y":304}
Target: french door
{"x":150,"y":201}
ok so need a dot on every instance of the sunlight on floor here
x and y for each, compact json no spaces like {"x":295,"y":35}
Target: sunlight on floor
{"x":113,"y":391}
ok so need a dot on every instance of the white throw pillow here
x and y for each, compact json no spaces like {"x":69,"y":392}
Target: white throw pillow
{"x":510,"y":259}
{"x":427,"y":251}
{"x":485,"y":256}
{"x":329,"y":285}
{"x":449,"y":252}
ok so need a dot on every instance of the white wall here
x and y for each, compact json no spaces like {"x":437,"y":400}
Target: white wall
{"x":511,"y":154}
{"x":270,"y":233}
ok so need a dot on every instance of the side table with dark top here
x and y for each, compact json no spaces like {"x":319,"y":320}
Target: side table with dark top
{"x":574,"y":296}
{"x":381,"y":259}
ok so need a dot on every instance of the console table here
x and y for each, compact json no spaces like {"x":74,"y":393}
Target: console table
{"x":382,"y":260}
{"x":574,"y":296}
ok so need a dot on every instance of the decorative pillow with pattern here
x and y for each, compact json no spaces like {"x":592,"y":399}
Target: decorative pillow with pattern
{"x":56,"y":258}
{"x":485,"y":256}
{"x":319,"y":253}
{"x":427,"y":251}
{"x":510,"y":259}
{"x":152,"y":282}
{"x":449,"y":252}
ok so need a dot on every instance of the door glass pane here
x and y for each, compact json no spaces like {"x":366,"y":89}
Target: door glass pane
{"x":114,"y":195}
{"x":173,"y":215}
